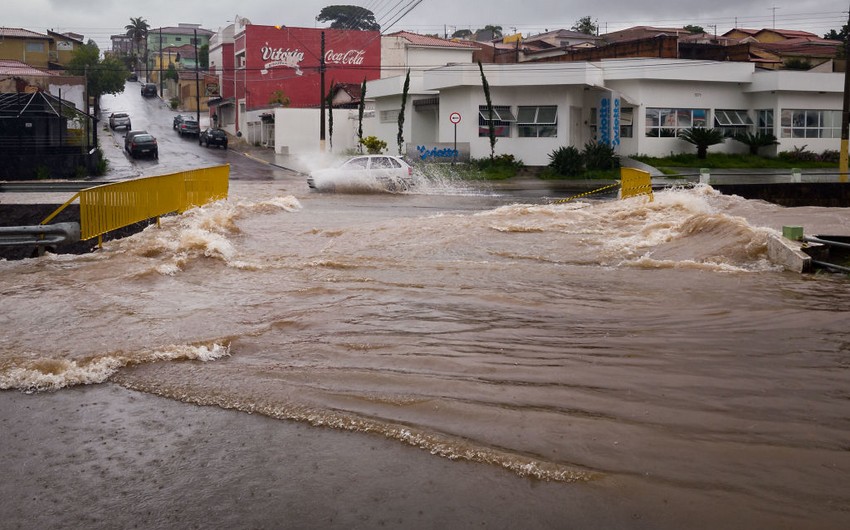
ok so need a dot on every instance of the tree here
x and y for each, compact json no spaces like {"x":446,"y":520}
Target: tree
{"x":404,"y":91}
{"x":349,"y":17}
{"x":361,"y":108}
{"x":586,"y":25}
{"x":702,"y":138}
{"x":839,"y":35}
{"x":330,"y":103}
{"x":693,"y":29}
{"x":137,"y":30}
{"x":204,"y":57}
{"x":278,"y":97}
{"x":756,"y":141}
{"x":496,"y":30}
{"x":490,"y":127}
{"x":462,"y":34}
{"x":171,"y":72}
{"x":105,"y":76}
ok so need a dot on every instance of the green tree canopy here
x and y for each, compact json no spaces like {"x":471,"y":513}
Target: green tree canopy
{"x":497,"y":30}
{"x":104,"y":76}
{"x":694,"y":29}
{"x":838,"y":35}
{"x":586,"y":25}
{"x":349,"y":17}
{"x":204,"y":57}
{"x":137,"y":30}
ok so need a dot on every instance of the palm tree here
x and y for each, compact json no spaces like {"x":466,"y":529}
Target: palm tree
{"x":702,"y":138}
{"x":756,"y":141}
{"x":137,"y":30}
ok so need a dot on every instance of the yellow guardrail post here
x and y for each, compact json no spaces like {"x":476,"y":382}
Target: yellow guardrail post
{"x":635,"y":182}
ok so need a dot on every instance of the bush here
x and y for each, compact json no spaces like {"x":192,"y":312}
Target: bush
{"x":174,"y":102}
{"x":373,"y":145}
{"x":499,"y":167}
{"x":798,"y":154}
{"x":599,"y":157}
{"x":566,"y":161}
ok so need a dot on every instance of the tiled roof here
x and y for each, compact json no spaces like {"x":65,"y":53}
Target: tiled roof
{"x":21,"y":33}
{"x":10,"y":67}
{"x":425,"y":40}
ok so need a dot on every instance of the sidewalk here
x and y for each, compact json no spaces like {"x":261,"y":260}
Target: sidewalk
{"x":267,"y":156}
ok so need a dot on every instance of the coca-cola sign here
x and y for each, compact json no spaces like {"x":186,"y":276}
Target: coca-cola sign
{"x":350,"y":57}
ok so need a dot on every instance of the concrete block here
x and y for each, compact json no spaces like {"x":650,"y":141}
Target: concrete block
{"x":789,"y":254}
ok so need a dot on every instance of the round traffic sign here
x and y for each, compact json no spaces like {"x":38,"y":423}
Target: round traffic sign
{"x":455,"y":117}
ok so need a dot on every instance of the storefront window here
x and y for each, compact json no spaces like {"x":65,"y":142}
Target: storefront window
{"x":537,"y":122}
{"x":797,"y":123}
{"x":732,"y":122}
{"x":502,"y":119}
{"x":663,"y":122}
{"x":764,"y":121}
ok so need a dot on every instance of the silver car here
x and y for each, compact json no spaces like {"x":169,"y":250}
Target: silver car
{"x":119,"y":120}
{"x":384,"y":172}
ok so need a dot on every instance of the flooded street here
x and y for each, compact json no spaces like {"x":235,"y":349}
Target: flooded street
{"x":613,"y":349}
{"x":446,"y":357}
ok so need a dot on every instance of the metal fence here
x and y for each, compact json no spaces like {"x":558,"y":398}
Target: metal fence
{"x":116,"y":205}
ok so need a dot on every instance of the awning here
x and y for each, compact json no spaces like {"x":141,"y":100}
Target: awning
{"x":427,"y":102}
{"x":221,"y":102}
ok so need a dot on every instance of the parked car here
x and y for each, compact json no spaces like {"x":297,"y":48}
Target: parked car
{"x":129,"y":137}
{"x":132,"y":77}
{"x":213,"y":136}
{"x":177,"y":120}
{"x":119,"y":120}
{"x":149,"y":90}
{"x":368,"y":171}
{"x":188,"y":126}
{"x":143,"y":144}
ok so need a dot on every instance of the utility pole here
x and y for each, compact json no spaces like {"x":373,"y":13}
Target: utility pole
{"x":845,"y":112}
{"x":322,"y":95}
{"x":160,"y":62}
{"x":197,"y":82}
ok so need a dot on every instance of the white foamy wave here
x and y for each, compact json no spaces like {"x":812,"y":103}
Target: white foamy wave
{"x":199,"y":233}
{"x":689,"y":227}
{"x":53,"y":374}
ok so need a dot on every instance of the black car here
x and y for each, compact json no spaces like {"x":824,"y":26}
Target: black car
{"x":143,"y":144}
{"x":129,"y":137}
{"x":149,"y":90}
{"x":213,"y":136}
{"x":132,"y":77}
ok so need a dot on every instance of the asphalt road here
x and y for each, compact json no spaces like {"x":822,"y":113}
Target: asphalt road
{"x":176,"y":153}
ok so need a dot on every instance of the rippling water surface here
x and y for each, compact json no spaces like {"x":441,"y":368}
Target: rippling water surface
{"x":597,"y":341}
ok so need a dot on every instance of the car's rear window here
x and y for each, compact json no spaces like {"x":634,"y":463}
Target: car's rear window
{"x":120,"y":115}
{"x":143,"y":138}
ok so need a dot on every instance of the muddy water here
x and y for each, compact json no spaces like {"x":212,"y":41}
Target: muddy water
{"x":634,"y":344}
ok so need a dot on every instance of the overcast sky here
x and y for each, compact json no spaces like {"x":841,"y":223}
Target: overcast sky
{"x":98,"y":19}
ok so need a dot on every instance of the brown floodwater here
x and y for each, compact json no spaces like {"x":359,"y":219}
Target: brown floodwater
{"x":601,"y":343}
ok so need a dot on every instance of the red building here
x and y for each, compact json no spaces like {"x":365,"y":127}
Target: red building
{"x":274,"y":66}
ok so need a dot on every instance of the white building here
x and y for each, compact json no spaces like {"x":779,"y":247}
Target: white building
{"x":636,"y":105}
{"x":543,"y":106}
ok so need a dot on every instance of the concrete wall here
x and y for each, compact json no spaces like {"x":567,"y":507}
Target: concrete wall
{"x":296,"y":131}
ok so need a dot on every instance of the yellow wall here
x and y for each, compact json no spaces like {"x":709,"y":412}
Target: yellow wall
{"x":15,"y":49}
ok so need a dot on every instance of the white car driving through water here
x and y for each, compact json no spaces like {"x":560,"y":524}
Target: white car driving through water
{"x":366,"y":172}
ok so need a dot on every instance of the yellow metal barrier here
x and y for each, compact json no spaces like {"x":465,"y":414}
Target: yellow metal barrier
{"x":635,"y":182}
{"x":119,"y":204}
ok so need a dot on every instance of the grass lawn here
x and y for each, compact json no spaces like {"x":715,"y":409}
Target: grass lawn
{"x":727,"y":161}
